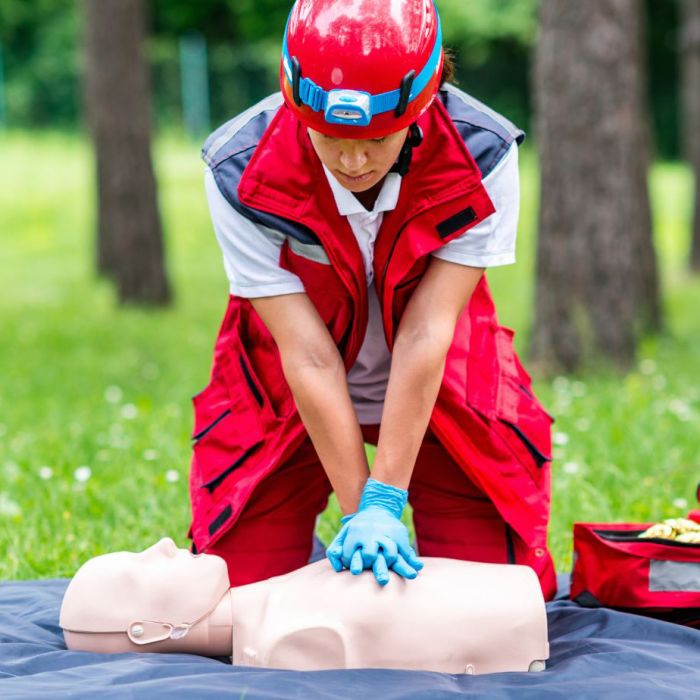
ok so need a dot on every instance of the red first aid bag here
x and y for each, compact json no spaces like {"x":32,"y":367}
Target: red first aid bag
{"x":614,"y":568}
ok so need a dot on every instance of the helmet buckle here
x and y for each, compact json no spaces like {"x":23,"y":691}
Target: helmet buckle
{"x":405,"y":95}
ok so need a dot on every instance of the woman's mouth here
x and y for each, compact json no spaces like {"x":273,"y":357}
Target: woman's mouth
{"x":357,"y":179}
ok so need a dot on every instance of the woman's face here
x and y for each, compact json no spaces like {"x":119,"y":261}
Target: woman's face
{"x":358,"y":164}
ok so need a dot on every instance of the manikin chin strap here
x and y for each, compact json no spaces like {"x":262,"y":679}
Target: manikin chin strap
{"x":150,"y":631}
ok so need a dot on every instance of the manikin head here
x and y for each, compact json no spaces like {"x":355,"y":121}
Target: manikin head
{"x":146,"y":601}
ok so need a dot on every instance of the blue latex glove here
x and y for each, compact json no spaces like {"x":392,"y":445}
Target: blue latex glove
{"x":374,"y":537}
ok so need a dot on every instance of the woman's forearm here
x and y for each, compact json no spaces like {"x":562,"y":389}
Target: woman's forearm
{"x":423,"y":339}
{"x":321,"y":394}
{"x":417,"y":367}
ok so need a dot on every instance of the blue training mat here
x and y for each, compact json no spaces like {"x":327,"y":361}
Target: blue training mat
{"x":594,"y":654}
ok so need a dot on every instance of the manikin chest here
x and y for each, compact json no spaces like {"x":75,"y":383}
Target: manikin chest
{"x":455,"y":617}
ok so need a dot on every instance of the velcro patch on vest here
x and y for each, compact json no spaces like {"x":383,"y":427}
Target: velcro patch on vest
{"x":456,"y":222}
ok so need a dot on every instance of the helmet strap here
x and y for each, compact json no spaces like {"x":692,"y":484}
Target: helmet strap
{"x":413,"y":140}
{"x":296,"y":81}
{"x":405,"y":96}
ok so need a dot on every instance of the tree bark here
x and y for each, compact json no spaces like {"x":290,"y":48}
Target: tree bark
{"x":597,"y":288}
{"x":690,"y":99}
{"x":129,"y":234}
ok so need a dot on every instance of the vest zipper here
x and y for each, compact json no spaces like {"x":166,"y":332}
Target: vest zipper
{"x":540,"y":458}
{"x":204,"y":431}
{"x":216,"y":481}
{"x":249,"y":380}
{"x":510,"y":547}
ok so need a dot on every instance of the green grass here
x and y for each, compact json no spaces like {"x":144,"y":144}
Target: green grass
{"x":88,"y":384}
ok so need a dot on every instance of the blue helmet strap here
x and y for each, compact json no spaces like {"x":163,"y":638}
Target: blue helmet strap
{"x":356,"y":107}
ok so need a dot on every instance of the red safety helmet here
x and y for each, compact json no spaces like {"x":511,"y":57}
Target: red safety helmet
{"x":361,"y":68}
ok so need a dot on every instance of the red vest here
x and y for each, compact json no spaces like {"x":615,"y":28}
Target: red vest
{"x":486,"y":414}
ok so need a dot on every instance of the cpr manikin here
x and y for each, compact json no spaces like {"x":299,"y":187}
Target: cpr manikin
{"x":455,"y":617}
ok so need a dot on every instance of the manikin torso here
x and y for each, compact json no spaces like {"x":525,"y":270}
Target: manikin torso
{"x":455,"y":617}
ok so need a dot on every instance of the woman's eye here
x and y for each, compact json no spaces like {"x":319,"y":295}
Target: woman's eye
{"x":381,"y":140}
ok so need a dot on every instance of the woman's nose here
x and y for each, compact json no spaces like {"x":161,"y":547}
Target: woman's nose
{"x":353,"y":160}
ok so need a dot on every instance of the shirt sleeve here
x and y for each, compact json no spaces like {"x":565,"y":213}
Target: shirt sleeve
{"x":491,"y":242}
{"x":251,"y":252}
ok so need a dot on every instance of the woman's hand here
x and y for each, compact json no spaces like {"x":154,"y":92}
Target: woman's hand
{"x":375,"y":538}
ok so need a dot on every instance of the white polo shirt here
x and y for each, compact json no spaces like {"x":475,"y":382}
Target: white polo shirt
{"x":251,"y":260}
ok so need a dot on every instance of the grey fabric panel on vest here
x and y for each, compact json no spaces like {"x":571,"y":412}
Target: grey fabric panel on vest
{"x":222,"y":143}
{"x":674,"y":576}
{"x":310,"y":251}
{"x":229,"y":150}
{"x":487,"y":134}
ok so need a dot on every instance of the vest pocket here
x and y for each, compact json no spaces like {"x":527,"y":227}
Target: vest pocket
{"x":499,"y":387}
{"x":228,"y":420}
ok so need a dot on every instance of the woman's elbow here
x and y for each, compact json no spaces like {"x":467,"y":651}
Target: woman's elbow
{"x":320,"y":357}
{"x":435,"y":336}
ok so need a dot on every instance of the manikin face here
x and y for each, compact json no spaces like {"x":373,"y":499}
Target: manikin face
{"x":358,"y":164}
{"x":162,"y":583}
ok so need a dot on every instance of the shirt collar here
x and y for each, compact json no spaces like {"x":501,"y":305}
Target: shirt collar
{"x":348,"y":204}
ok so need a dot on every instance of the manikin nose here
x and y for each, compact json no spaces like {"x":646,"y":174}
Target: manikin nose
{"x":167,"y":546}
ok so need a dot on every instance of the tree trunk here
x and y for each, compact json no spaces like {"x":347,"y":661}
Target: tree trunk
{"x":597,"y":286}
{"x":690,"y":97}
{"x":129,"y":235}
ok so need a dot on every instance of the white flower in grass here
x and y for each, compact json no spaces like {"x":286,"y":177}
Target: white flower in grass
{"x":150,"y":371}
{"x":681,"y":503}
{"x":583,"y":424}
{"x":578,"y":389}
{"x":647,"y":366}
{"x":560,"y":439}
{"x":113,"y":394}
{"x":129,"y":411}
{"x":680,"y":409}
{"x":11,"y":471}
{"x":659,"y":382}
{"x":45,"y":472}
{"x":561,"y":384}
{"x":172,"y":476}
{"x":82,"y":474}
{"x":150,"y":455}
{"x":8,"y":507}
{"x":571,"y":467}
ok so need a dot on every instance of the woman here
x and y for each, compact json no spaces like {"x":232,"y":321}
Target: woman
{"x":356,"y":213}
